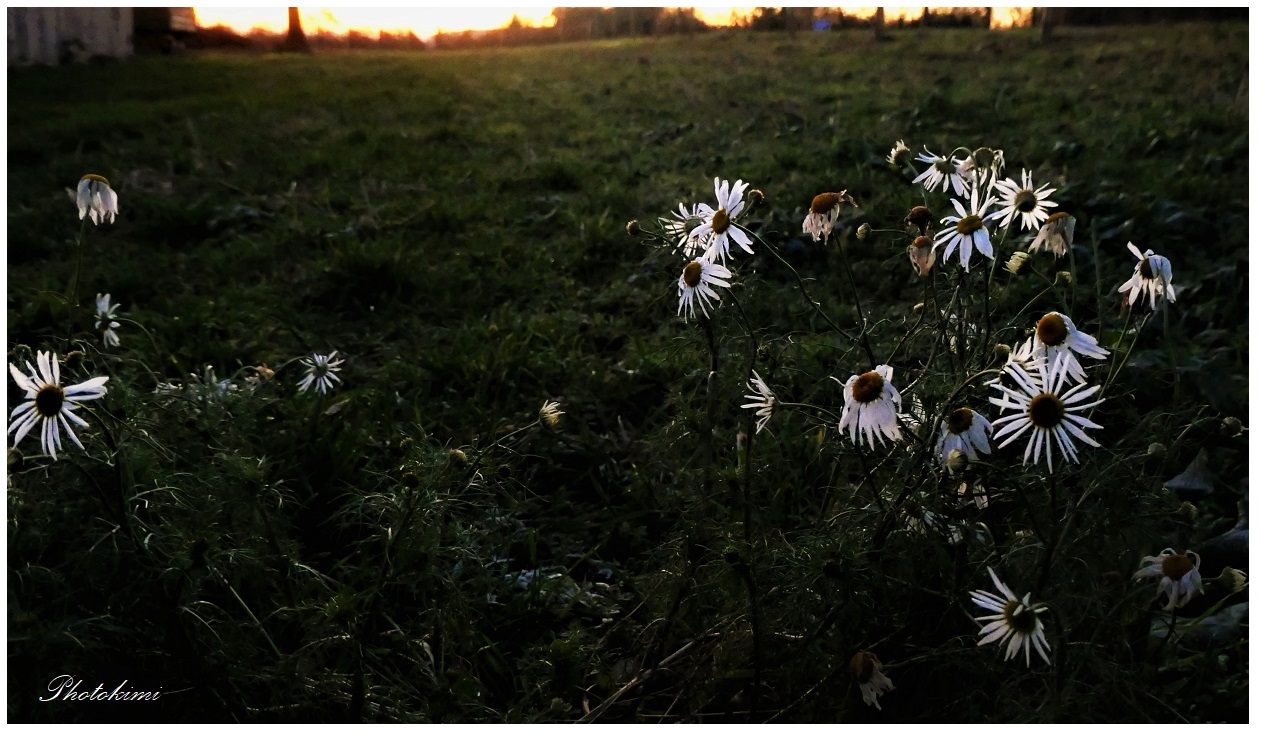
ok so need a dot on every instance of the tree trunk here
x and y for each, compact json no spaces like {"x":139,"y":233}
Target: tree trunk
{"x":877,"y":23}
{"x":295,"y":41}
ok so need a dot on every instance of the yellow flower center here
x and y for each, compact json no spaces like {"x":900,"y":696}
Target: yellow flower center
{"x":692,"y":274}
{"x":823,"y":203}
{"x":868,"y":387}
{"x":1020,"y":618}
{"x":968,"y":224}
{"x":49,"y":399}
{"x":1026,"y":201}
{"x":1052,"y":330}
{"x":1046,"y":410}
{"x":959,"y":421}
{"x":862,"y":666}
{"x":721,"y":221}
{"x":1176,"y":566}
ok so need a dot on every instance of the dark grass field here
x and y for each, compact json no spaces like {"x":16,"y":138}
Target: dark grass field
{"x":454,"y":224}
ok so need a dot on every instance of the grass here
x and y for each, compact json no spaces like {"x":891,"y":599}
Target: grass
{"x":454,"y":224}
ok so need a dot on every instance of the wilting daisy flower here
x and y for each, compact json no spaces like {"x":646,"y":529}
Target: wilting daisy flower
{"x":1016,"y":263}
{"x":105,"y":322}
{"x":1056,"y":334}
{"x":717,"y":229}
{"x":1047,"y":408}
{"x":825,"y":209}
{"x":899,"y":150}
{"x":1020,"y":199}
{"x":48,"y":405}
{"x":319,"y":372}
{"x":1152,"y":275}
{"x":983,"y":164}
{"x":680,"y":229}
{"x":865,"y":667}
{"x":940,"y":170}
{"x":923,"y":255}
{"x":1056,"y":234}
{"x":871,"y":407}
{"x":694,"y":285}
{"x":550,"y":414}
{"x":1179,"y":576}
{"x":1020,"y":368}
{"x":965,"y":431}
{"x":763,"y":400}
{"x":968,"y":231}
{"x":1014,"y":619}
{"x":96,"y":199}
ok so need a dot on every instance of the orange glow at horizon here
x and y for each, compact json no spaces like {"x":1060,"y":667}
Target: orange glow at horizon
{"x":426,"y":22}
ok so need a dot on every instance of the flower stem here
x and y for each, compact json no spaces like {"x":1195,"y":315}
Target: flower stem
{"x":74,"y":283}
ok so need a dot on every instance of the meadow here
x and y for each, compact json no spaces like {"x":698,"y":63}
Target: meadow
{"x":421,"y":544}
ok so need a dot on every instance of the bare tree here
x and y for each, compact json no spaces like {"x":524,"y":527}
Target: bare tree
{"x":877,"y":23}
{"x":295,"y":41}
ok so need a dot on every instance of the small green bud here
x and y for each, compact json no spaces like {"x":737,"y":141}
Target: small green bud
{"x":1063,"y":277}
{"x":74,"y":360}
{"x":1002,"y":351}
{"x":1232,"y":427}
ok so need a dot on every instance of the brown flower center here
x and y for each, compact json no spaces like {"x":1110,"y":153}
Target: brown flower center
{"x":1046,"y":410}
{"x":1176,"y":566}
{"x":692,"y":274}
{"x":922,"y":241}
{"x":959,"y":421}
{"x":49,"y":399}
{"x":968,"y":224}
{"x":868,"y":387}
{"x":944,"y":166}
{"x":824,"y":202}
{"x":1052,"y":330}
{"x":920,"y":217}
{"x":983,"y":158}
{"x":862,"y":666}
{"x":1145,"y":269}
{"x":1020,"y":618}
{"x":1026,"y":201}
{"x":94,"y":177}
{"x":721,"y":221}
{"x":1056,"y":217}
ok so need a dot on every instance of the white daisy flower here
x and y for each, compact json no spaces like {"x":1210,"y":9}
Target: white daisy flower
{"x":1056,"y":334}
{"x":96,"y":199}
{"x":922,"y":254}
{"x":1021,"y":199}
{"x":865,"y":667}
{"x":965,"y":431}
{"x":320,"y":372}
{"x":694,"y":286}
{"x":1048,"y":409}
{"x":680,"y":230}
{"x":871,"y":407}
{"x":1014,"y":619}
{"x":967,"y":230}
{"x":1055,"y":235}
{"x":825,"y":209}
{"x":549,"y":413}
{"x":1179,"y":576}
{"x":899,"y":150}
{"x":48,"y":405}
{"x":105,"y":322}
{"x":717,"y":228}
{"x":940,"y":170}
{"x":763,"y":400}
{"x":1152,"y":275}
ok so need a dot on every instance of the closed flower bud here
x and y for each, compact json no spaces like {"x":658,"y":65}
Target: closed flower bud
{"x":920,"y":217}
{"x":1231,"y":427}
{"x":1231,"y":580}
{"x":74,"y":360}
{"x":756,"y":197}
{"x":458,"y":457}
{"x":1188,"y":511}
{"x":1155,"y":450}
{"x":632,"y":227}
{"x":15,"y":459}
{"x":864,"y":230}
{"x":957,"y":460}
{"x":1063,"y":277}
{"x":1002,"y":351}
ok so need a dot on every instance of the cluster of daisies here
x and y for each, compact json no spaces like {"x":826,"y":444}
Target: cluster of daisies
{"x":51,"y":407}
{"x":1043,"y":393}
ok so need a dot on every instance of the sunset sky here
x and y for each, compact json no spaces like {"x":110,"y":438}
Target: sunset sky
{"x":425,"y":22}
